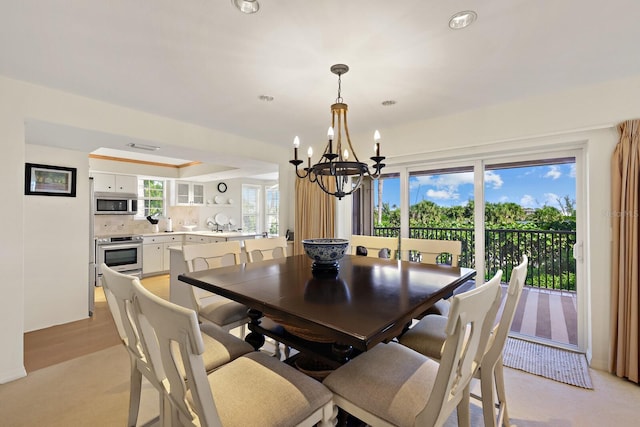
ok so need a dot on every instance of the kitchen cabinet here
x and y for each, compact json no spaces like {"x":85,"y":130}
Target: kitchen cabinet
{"x":195,"y":239}
{"x":155,"y":253}
{"x":188,"y":193}
{"x":105,"y":182}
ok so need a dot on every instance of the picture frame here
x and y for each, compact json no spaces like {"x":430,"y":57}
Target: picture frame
{"x":47,"y":180}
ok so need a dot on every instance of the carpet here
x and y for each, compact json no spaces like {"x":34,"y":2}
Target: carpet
{"x":556,"y":364}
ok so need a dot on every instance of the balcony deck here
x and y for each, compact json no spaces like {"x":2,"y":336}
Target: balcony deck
{"x":548,"y":315}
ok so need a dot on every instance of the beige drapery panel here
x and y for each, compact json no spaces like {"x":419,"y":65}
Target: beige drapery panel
{"x":625,"y":292}
{"x":315,"y":213}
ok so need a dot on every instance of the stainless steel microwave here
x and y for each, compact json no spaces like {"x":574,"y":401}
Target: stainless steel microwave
{"x":105,"y":203}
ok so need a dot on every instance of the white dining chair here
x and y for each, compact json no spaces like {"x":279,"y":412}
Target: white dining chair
{"x":428,"y":336}
{"x":119,"y":290}
{"x":393,"y":385}
{"x":429,"y":251}
{"x":253,"y":390}
{"x":210,"y":307}
{"x":374,"y":245}
{"x":265,"y":249}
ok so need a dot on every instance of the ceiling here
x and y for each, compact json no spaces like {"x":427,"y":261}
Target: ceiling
{"x":204,"y":62}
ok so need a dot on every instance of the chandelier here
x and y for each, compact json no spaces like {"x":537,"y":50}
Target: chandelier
{"x":335,"y":166}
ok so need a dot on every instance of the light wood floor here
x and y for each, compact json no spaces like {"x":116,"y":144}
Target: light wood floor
{"x":56,"y":344}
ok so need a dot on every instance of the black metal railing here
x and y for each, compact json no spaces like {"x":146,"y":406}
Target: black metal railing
{"x":550,"y":252}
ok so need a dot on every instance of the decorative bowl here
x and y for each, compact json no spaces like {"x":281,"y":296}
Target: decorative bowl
{"x":325,"y":252}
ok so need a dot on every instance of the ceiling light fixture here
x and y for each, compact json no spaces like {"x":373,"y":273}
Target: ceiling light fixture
{"x":462,"y":19}
{"x":334,"y":166}
{"x":143,"y":146}
{"x":246,"y":6}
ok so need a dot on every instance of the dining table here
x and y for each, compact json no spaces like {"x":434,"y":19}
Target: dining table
{"x":331,"y":315}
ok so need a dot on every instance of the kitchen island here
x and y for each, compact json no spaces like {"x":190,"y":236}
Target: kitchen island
{"x":155,"y":251}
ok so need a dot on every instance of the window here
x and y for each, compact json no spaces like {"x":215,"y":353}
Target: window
{"x":250,"y":208}
{"x":151,"y":193}
{"x":272,"y":196}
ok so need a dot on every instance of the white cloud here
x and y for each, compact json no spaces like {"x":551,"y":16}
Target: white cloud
{"x":551,"y":199}
{"x":572,"y":170}
{"x":442,"y":194}
{"x":553,"y":172}
{"x":492,"y":178}
{"x":528,"y":201}
{"x":504,"y":199}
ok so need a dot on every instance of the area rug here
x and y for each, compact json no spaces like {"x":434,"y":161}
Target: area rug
{"x":556,"y":364}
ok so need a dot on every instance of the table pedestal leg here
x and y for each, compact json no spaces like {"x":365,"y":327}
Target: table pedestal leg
{"x":255,"y":339}
{"x":342,"y":352}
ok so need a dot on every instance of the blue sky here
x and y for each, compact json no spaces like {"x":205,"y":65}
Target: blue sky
{"x":530,"y":187}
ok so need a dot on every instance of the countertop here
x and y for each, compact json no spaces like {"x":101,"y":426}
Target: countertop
{"x":204,"y":233}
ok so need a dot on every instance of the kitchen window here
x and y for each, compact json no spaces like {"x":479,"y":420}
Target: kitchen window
{"x":250,"y":208}
{"x":152,"y":197}
{"x":272,"y":209}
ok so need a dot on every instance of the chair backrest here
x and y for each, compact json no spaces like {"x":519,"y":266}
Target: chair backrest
{"x":211,"y":255}
{"x":264,"y":249}
{"x":119,"y":294}
{"x":469,"y":323}
{"x":501,"y":329}
{"x":374,"y":245}
{"x":430,"y":249}
{"x":171,"y":334}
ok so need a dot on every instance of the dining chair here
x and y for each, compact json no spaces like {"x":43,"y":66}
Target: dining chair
{"x":393,"y":385}
{"x":119,"y":290}
{"x":265,"y":249}
{"x":210,"y":307}
{"x":428,"y":336}
{"x":374,"y":245}
{"x":253,"y":390}
{"x":262,"y":250}
{"x":430,"y":251}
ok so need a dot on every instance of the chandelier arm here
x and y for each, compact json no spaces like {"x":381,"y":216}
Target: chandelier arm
{"x":346,"y":132}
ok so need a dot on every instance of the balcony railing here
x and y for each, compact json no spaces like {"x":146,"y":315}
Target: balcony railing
{"x":550,"y":252}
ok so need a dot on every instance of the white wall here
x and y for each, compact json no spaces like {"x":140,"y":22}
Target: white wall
{"x":586,"y":116}
{"x":19,"y":102}
{"x":475,"y":130}
{"x":56,"y":246}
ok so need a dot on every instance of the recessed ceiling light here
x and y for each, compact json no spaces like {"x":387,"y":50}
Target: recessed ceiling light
{"x":462,"y":19}
{"x":389,"y":102}
{"x":266,"y":98}
{"x":246,"y":6}
{"x":143,"y":146}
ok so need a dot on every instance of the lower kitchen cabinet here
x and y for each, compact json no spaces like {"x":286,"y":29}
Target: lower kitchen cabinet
{"x":155,"y":253}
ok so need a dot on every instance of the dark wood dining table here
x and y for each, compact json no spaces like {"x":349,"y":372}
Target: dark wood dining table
{"x":331,"y":317}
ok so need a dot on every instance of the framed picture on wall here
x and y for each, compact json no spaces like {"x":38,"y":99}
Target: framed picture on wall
{"x":46,"y":180}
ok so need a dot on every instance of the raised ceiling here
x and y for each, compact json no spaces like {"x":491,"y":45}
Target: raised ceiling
{"x":202,"y":61}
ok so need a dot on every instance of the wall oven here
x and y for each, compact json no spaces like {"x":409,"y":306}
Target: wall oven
{"x":121,"y":253}
{"x":115,"y":203}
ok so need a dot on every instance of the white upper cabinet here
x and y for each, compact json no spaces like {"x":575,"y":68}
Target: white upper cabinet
{"x":106,"y":182}
{"x":188,"y":193}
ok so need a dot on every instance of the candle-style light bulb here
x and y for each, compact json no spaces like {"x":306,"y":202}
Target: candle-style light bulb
{"x":330,"y":136}
{"x":296,"y":144}
{"x":346,"y":155}
{"x":376,"y":138}
{"x":309,"y":153}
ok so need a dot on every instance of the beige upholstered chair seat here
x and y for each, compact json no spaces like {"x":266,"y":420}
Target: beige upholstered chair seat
{"x":259,"y":390}
{"x":427,"y":336}
{"x":222,"y":311}
{"x":220,"y":346}
{"x":396,"y":393}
